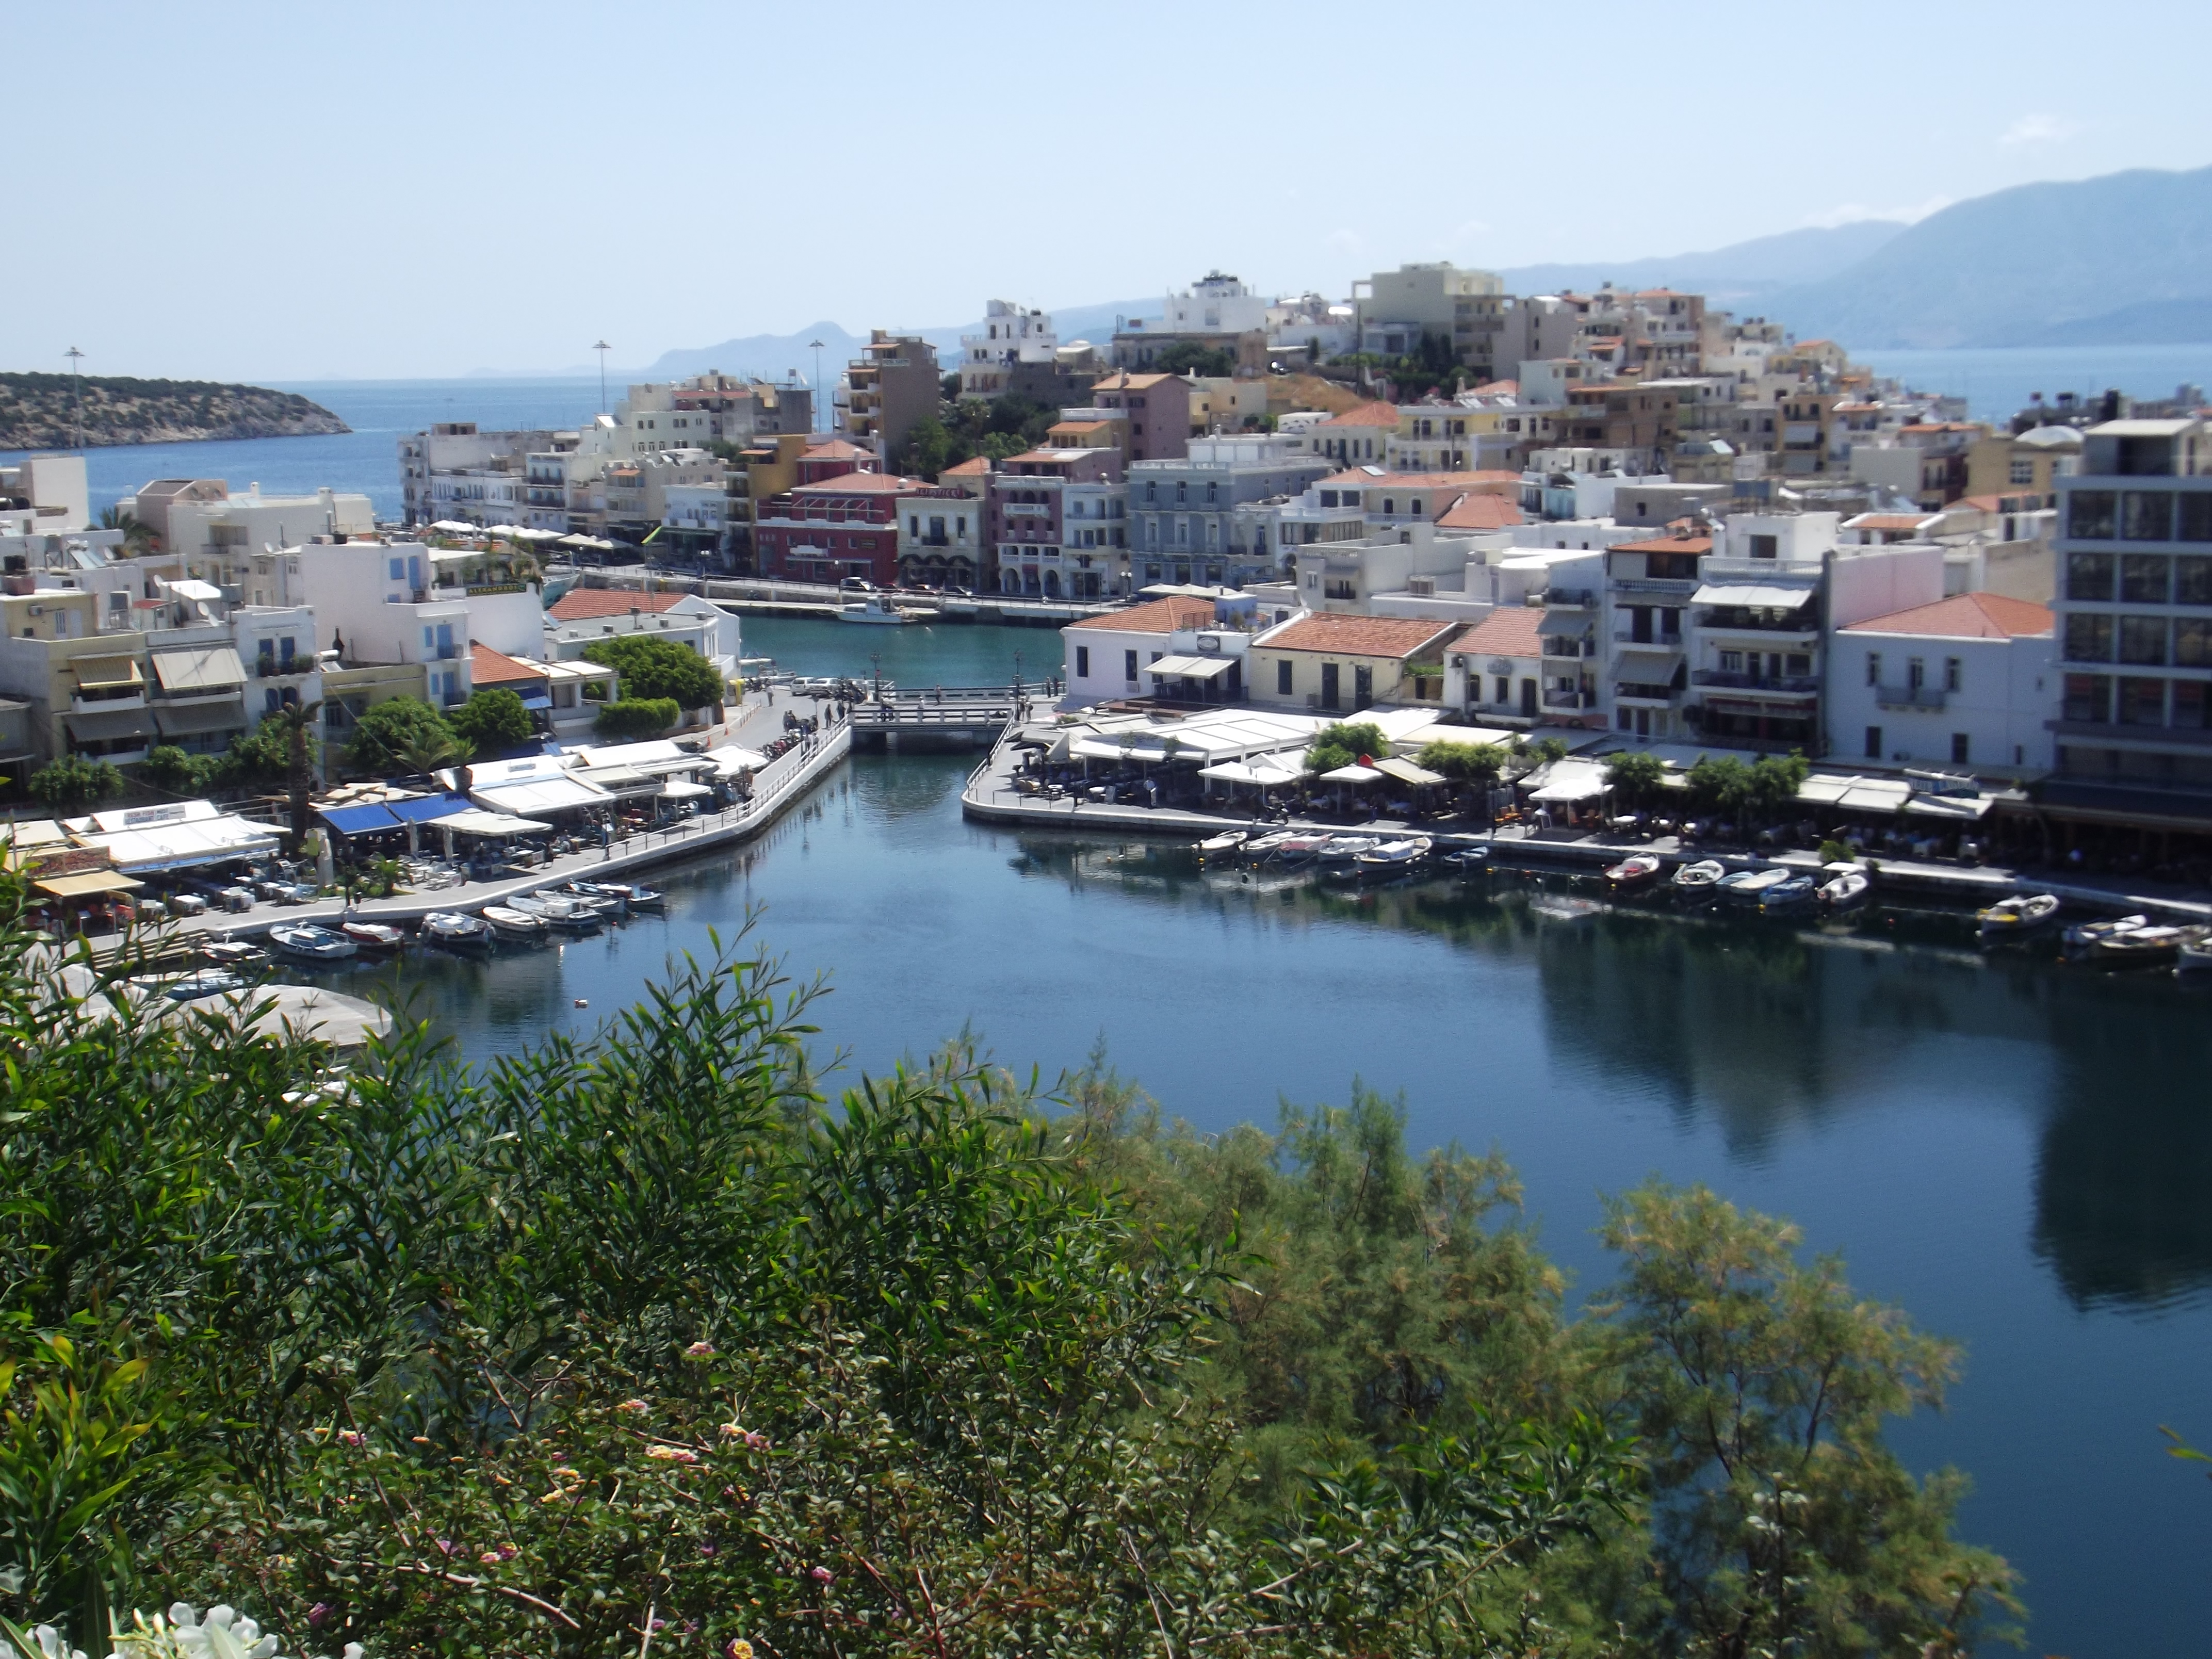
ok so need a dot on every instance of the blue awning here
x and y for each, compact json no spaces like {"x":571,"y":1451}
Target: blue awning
{"x":538,"y":700}
{"x":422,"y":811}
{"x":358,"y":820}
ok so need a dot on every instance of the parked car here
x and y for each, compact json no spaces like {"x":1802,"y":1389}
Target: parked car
{"x":858,"y":585}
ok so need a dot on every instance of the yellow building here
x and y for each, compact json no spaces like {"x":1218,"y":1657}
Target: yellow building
{"x":1335,"y":663}
{"x":2014,"y":463}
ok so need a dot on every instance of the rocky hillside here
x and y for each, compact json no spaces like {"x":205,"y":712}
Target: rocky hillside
{"x":40,"y":411}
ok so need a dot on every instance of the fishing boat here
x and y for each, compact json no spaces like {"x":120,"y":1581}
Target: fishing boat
{"x":201,"y":983}
{"x":1847,"y":887}
{"x":1700,"y":878}
{"x":2138,"y":947}
{"x":1227,"y":841}
{"x":569,"y":915}
{"x":456,"y":931}
{"x":1301,"y":847}
{"x":311,"y":944}
{"x":609,"y":903}
{"x":1400,"y":855}
{"x":233,"y":953}
{"x":1342,"y":849}
{"x":1261,"y":847}
{"x":373,"y":936}
{"x":2023,"y":913}
{"x":1791,"y":891}
{"x":2196,"y":952}
{"x":1749,"y":884}
{"x":877,"y":609}
{"x":1633,"y":871}
{"x":2085,"y":936}
{"x":641,"y":898}
{"x":1468,"y":859}
{"x":509,"y":922}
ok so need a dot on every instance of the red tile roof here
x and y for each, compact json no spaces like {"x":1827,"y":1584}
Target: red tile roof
{"x":1160,"y":616}
{"x":1509,"y":631}
{"x":1477,"y":512}
{"x":487,"y":667}
{"x":860,"y":483}
{"x":1892,"y":520}
{"x":1667,"y":545}
{"x":1373,"y":414}
{"x":1964,"y":617}
{"x":582,"y":604}
{"x":975,"y":467}
{"x":1357,"y":636}
{"x":836,"y":449}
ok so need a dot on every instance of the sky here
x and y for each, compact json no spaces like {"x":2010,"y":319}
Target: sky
{"x":296,"y":192}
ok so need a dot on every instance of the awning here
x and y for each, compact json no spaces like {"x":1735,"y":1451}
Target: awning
{"x":1264,"y":772}
{"x":202,"y":593}
{"x":184,"y":844}
{"x":1572,"y":780}
{"x":547,"y":795}
{"x":683,"y":789}
{"x":1406,"y":772}
{"x":1353,"y":774}
{"x":459,"y":527}
{"x":91,"y":881}
{"x":110,"y":725}
{"x":1561,"y":624}
{"x":215,"y":668}
{"x":1753,"y":594}
{"x":195,"y":719}
{"x":733,"y":760}
{"x":537,"y":700}
{"x":1643,"y":668}
{"x":1191,"y":668}
{"x":106,"y":673}
{"x":423,"y":808}
{"x":358,"y":820}
{"x":1958,"y":809}
{"x":470,"y":821}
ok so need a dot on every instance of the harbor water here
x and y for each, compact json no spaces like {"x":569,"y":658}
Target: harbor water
{"x":2018,"y":1153}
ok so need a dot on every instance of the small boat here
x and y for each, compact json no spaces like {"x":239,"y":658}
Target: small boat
{"x":457,"y":932}
{"x":1468,"y":858}
{"x":570,"y":916}
{"x":2023,"y":913}
{"x":233,"y":953}
{"x":312,"y":944}
{"x":2085,"y":936}
{"x":201,"y":983}
{"x":1789,"y":893}
{"x":1261,"y":847}
{"x":1302,"y":847}
{"x":1633,"y":871}
{"x":2196,"y":952}
{"x":1701,"y":876}
{"x":510,"y":923}
{"x":877,"y":609}
{"x":1844,"y":889}
{"x":1342,"y":849}
{"x":1400,"y":855}
{"x":610,"y":904}
{"x":632,"y":897}
{"x":373,"y":936}
{"x":1227,"y":841}
{"x":1752,"y":885}
{"x":2137,"y":945}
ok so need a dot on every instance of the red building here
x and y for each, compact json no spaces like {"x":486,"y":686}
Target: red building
{"x":846,"y":525}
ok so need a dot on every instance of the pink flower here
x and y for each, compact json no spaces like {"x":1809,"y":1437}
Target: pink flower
{"x":699,"y":1351}
{"x":822,"y":1575}
{"x":349,"y":1437}
{"x":507,"y":1551}
{"x":672,"y":1455}
{"x":632,"y":1405}
{"x":489,"y":1558}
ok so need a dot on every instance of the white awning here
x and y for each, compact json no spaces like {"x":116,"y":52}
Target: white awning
{"x":542,"y":795}
{"x":1753,"y":594}
{"x":1406,"y":772}
{"x":1646,"y":667}
{"x":110,"y":726}
{"x":1191,"y":668}
{"x":182,"y":845}
{"x":733,"y":760}
{"x":194,"y":720}
{"x":471,"y":822}
{"x":683,"y":789}
{"x":1263,"y":772}
{"x":1561,"y":624}
{"x":204,"y":593}
{"x":1572,"y":780}
{"x":212,"y":668}
{"x":1353,"y":774}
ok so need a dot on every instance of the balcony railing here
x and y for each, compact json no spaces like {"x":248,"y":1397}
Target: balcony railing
{"x":1789,"y":684}
{"x":1910,"y":696}
{"x":1643,"y":691}
{"x":1664,"y":642}
{"x":1570,"y":596}
{"x":1557,"y":699}
{"x":270,"y":668}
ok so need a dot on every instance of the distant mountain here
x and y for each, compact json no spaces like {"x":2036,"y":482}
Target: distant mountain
{"x":2148,"y":322}
{"x":771,"y":356}
{"x":2000,"y":269}
{"x":1741,"y":271}
{"x":48,"y":411}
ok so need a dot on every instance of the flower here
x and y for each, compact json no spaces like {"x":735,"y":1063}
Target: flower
{"x":319,"y":1615}
{"x":507,"y":1551}
{"x":672,"y":1455}
{"x":822,"y":1575}
{"x":737,"y":1648}
{"x":699,"y":1351}
{"x":632,"y":1405}
{"x":557,"y":1494}
{"x":489,"y":1558}
{"x":738,"y":1432}
{"x":564,"y":1472}
{"x":350,"y":1436}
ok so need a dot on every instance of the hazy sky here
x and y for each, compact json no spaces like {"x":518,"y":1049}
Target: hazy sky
{"x":305,"y":191}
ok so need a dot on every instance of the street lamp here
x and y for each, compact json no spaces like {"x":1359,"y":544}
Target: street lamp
{"x":602,"y":348}
{"x":816,"y":399}
{"x":75,"y":359}
{"x":876,"y":660}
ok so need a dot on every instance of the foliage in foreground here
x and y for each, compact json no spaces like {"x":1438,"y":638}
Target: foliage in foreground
{"x":639,"y":1336}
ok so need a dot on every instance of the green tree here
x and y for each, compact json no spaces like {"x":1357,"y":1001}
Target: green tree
{"x":386,"y":730}
{"x":1719,"y":783}
{"x":75,"y":781}
{"x":1465,"y":762}
{"x":421,"y":754}
{"x":1342,"y":743}
{"x":651,"y":668}
{"x":1543,"y":751}
{"x":1189,"y":357}
{"x":636,"y":717}
{"x":492,"y":721}
{"x":1774,"y":781}
{"x":138,"y":537}
{"x":299,"y":727}
{"x":1635,"y":776}
{"x":1781,"y":1521}
{"x":169,"y":768}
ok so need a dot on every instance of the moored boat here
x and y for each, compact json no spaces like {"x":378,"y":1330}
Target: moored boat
{"x":1791,"y":891}
{"x":1751,"y":886}
{"x":233,"y":953}
{"x":373,"y":936}
{"x":2145,"y":946}
{"x":1302,"y":847}
{"x":456,"y":931}
{"x":1467,"y":859}
{"x":1701,"y":877}
{"x":1261,"y":847}
{"x":567,"y":914}
{"x":1634,"y":870}
{"x":2195,"y":950}
{"x":2023,"y":913}
{"x":1227,"y":841}
{"x":509,"y":922}
{"x":1846,"y":887}
{"x":608,"y":902}
{"x":876,"y":608}
{"x":1342,"y":849}
{"x":2085,"y":936}
{"x":312,"y":944}
{"x":201,"y":983}
{"x":1399,"y":854}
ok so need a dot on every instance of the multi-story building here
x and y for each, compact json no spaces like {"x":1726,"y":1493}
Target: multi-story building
{"x":1337,"y":663}
{"x":844,"y":526}
{"x":1011,"y":336}
{"x":892,"y":385}
{"x":2134,"y":622}
{"x":454,"y":471}
{"x":1216,"y":314}
{"x":709,"y":408}
{"x":1157,"y":411}
{"x":226,"y":540}
{"x":1106,"y":656}
{"x":2030,"y":462}
{"x":1439,"y":300}
{"x":1183,"y":520}
{"x":942,"y":540}
{"x":1360,"y":436}
{"x":1967,"y":681}
{"x":1057,"y":520}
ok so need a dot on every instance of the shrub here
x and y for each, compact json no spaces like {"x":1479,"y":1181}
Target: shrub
{"x":492,"y":720}
{"x":387,"y":730}
{"x":73,"y":781}
{"x":653,"y":669}
{"x":169,"y":767}
{"x":1342,"y":745}
{"x":637,"y":717}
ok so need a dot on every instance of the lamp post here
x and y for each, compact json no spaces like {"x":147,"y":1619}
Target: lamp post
{"x":602,"y":348}
{"x":77,"y":373}
{"x":816,"y":399}
{"x":876,"y":661}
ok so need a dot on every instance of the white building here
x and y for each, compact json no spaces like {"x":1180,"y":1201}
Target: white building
{"x":454,"y":471}
{"x":1107,"y":657}
{"x":1968,"y":681}
{"x":1012,"y":334}
{"x":230,"y":541}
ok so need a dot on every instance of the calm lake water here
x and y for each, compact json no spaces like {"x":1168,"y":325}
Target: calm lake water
{"x":2019,"y":1154}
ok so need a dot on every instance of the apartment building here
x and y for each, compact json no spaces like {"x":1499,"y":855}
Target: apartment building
{"x":848,"y":525}
{"x":1438,"y":300}
{"x":1011,"y":335}
{"x":1056,"y":519}
{"x":1184,"y":522}
{"x":1217,"y":313}
{"x":891,"y":386}
{"x":452,"y":470}
{"x":225,"y":539}
{"x":1968,"y":681}
{"x":1156,"y":410}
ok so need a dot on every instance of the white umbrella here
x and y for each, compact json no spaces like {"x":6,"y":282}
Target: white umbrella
{"x":1354,"y":774}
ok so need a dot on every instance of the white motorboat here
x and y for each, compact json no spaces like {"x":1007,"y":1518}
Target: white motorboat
{"x":1342,"y":849}
{"x":637,"y":897}
{"x":509,"y":922}
{"x":1227,"y":841}
{"x":877,"y":609}
{"x":2196,"y":953}
{"x":2138,"y":946}
{"x":1794,"y":889}
{"x":1847,"y":887}
{"x":1400,"y":855}
{"x":1302,"y":847}
{"x":201,"y":983}
{"x":570,"y":916}
{"x":1261,"y":847}
{"x":611,"y":905}
{"x":457,"y":932}
{"x":373,"y":936}
{"x":1701,"y":876}
{"x":233,"y":953}
{"x":2023,"y":913}
{"x":2085,"y":936}
{"x":1753,"y":886}
{"x":1633,"y":871}
{"x":312,"y":944}
{"x":1468,"y":858}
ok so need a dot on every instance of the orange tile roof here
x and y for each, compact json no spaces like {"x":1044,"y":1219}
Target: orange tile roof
{"x":1370,"y":413}
{"x":860,"y":483}
{"x":1892,"y":520}
{"x":836,"y":449}
{"x":975,"y":467}
{"x":1340,"y":635}
{"x":582,"y":604}
{"x":1124,"y":381}
{"x":1478,"y":511}
{"x":1160,"y":616}
{"x":487,"y":667}
{"x":1667,"y":545}
{"x":1964,"y":617}
{"x":1511,"y":630}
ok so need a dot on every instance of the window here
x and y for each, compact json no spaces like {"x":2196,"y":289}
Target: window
{"x":1151,"y":490}
{"x":2192,"y":580}
{"x":2147,"y":515}
{"x":1731,"y":662}
{"x":2143,"y":702}
{"x":1283,"y":677}
{"x":1959,"y":747}
{"x":1873,"y":743}
{"x":1362,"y":687}
{"x":2195,"y":519}
{"x":2089,"y":576}
{"x":2143,"y":639}
{"x":1182,"y":491}
{"x":2089,"y":514}
{"x":1389,"y":504}
{"x":1873,"y":668}
{"x":1954,"y":673}
{"x":1129,"y":666}
{"x":1764,"y":547}
{"x":2088,"y":638}
{"x":399,"y":570}
{"x":2144,"y":578}
{"x":1915,"y":673}
{"x":2192,"y":643}
{"x":2192,"y":704}
{"x":2088,"y":698}
{"x":1083,"y":662}
{"x":1213,"y":493}
{"x":2023,"y":472}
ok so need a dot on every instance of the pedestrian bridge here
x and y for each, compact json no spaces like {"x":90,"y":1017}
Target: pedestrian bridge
{"x":961,"y":714}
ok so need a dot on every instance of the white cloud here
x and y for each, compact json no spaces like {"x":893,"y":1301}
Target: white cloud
{"x":1850,"y":213}
{"x":2040,"y":128}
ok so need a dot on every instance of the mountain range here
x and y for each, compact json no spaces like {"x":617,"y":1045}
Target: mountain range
{"x":2124,"y":259}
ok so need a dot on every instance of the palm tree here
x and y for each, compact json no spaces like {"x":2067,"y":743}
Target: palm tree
{"x":297,"y":722}
{"x":421,"y":755}
{"x":138,"y":537}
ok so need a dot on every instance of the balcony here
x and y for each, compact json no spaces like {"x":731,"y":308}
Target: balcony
{"x":1556,"y":646}
{"x":1910,"y":696}
{"x":1765,"y":634}
{"x":1565,"y":699}
{"x":1664,"y":642}
{"x":1580,"y":598}
{"x":1771,"y":685}
{"x":1643,"y":695}
{"x":291,"y":668}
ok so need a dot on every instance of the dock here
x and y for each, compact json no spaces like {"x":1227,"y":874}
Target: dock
{"x":762,"y":596}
